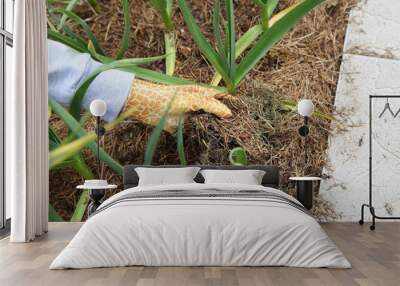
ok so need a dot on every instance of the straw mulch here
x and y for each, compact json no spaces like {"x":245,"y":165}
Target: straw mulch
{"x":304,"y":64}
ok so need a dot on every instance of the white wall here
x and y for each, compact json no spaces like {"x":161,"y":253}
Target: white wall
{"x":371,"y":65}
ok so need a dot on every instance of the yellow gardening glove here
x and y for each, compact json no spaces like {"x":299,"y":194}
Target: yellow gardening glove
{"x":147,"y":102}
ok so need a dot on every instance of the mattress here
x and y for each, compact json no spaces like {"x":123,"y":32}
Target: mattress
{"x":201,"y":225}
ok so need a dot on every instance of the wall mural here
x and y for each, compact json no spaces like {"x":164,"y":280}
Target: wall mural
{"x":187,"y":83}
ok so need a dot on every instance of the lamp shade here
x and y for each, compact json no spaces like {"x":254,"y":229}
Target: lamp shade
{"x":305,"y":107}
{"x":98,"y":107}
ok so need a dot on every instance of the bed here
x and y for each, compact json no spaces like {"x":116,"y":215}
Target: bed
{"x":201,"y":224}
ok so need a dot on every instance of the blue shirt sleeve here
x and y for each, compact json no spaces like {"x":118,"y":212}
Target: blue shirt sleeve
{"x":69,"y":68}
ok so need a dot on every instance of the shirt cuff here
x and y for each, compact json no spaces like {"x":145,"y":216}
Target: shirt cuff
{"x":112,"y":86}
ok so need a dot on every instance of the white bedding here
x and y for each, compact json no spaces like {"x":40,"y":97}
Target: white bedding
{"x":192,"y":231}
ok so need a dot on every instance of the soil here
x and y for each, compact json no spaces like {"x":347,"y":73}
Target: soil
{"x":305,"y":64}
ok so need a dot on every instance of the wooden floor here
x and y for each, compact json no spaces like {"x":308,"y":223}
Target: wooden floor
{"x":375,"y":257}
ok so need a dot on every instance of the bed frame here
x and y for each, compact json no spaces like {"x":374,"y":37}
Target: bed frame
{"x":270,"y":179}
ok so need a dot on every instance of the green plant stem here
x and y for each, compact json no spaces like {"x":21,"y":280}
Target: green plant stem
{"x":65,"y":28}
{"x":204,"y":46}
{"x":265,"y":19}
{"x":231,"y":40}
{"x":80,"y":166}
{"x":53,"y":215}
{"x":170,"y":51}
{"x":164,"y":8}
{"x":85,"y":139}
{"x":180,"y":146}
{"x":272,"y":6}
{"x":67,"y":41}
{"x":85,"y":27}
{"x":289,"y":17}
{"x":242,"y":44}
{"x":270,"y":37}
{"x":127,"y":30}
{"x":81,"y":206}
{"x":70,"y":7}
{"x":155,"y":136}
{"x":169,"y":25}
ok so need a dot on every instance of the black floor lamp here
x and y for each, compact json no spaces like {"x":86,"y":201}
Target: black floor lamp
{"x":305,"y":108}
{"x":98,"y":108}
{"x":97,"y":188}
{"x":304,"y":185}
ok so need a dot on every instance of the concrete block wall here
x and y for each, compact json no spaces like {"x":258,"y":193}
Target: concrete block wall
{"x":371,"y":65}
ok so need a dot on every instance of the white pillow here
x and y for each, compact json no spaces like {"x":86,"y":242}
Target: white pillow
{"x":166,"y":176}
{"x":248,"y":177}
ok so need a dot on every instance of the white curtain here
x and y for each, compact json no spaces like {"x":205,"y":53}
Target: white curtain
{"x":27,"y":124}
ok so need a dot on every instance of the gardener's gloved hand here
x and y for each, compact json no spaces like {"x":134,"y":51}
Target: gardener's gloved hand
{"x":147,"y":102}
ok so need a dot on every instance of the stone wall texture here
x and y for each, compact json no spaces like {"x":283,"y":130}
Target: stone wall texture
{"x":371,"y":66}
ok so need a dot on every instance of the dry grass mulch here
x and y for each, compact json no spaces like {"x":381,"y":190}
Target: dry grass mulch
{"x":305,"y":64}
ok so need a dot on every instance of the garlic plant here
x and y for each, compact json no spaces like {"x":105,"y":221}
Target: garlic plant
{"x":258,"y":40}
